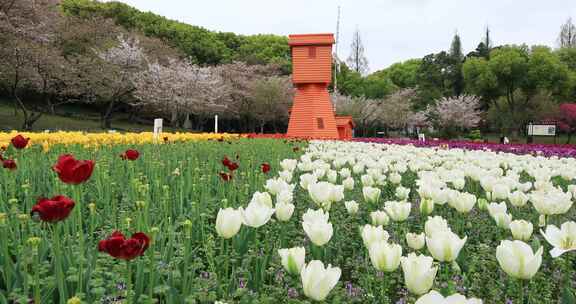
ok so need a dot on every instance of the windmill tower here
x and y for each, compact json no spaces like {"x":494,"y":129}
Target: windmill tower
{"x":312,"y":113}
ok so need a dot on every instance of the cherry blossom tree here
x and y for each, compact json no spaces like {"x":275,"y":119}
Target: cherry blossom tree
{"x":120,"y":64}
{"x":457,"y":112}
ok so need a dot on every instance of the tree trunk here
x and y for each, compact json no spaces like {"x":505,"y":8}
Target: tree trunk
{"x":569,"y":137}
{"x":106,"y":121}
{"x":262,"y":124}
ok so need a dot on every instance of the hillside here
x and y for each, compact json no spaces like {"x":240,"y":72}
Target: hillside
{"x":201,"y":45}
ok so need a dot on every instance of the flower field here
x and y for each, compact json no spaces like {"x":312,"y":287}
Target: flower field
{"x":112,"y":218}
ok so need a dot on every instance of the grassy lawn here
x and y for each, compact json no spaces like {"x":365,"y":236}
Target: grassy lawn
{"x":79,"y":119}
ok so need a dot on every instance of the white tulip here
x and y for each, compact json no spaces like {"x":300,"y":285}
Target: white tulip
{"x":257,"y":214}
{"x":285,"y":175}
{"x":285,"y":197}
{"x":319,"y":173}
{"x":379,"y":218}
{"x":337,"y":193}
{"x":563,"y":239}
{"x":318,"y":281}
{"x":445,"y":245}
{"x":418,"y":272}
{"x":345,"y":173}
{"x":518,"y":198}
{"x":293,"y":259}
{"x":503,"y":220}
{"x":275,"y":186}
{"x":398,"y":211}
{"x":307,"y":179}
{"x":402,"y":193}
{"x":495,"y":208}
{"x":332,"y":176}
{"x":228,"y":222}
{"x":371,"y":234}
{"x":434,"y":297}
{"x":358,"y":168}
{"x":521,"y":229}
{"x":367,"y":180}
{"x":384,"y":256}
{"x":517,"y":259}
{"x":317,"y":227}
{"x":395,"y":178}
{"x":439,"y":196}
{"x":262,"y":198}
{"x":500,"y":191}
{"x":463,"y":202}
{"x":348,"y":183}
{"x":371,"y":195}
{"x":288,"y":164}
{"x":435,"y":224}
{"x":351,"y":207}
{"x":416,"y":241}
{"x":459,"y":183}
{"x":284,"y":211}
{"x":321,"y":193}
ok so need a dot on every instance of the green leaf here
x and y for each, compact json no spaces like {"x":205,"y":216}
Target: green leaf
{"x":568,"y":296}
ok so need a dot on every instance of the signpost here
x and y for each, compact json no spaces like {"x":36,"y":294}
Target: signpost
{"x":157,"y":128}
{"x":540,"y":129}
{"x":216,"y":124}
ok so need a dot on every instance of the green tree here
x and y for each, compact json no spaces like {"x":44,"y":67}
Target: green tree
{"x":402,"y":74}
{"x":514,"y":75}
{"x":432,"y":79}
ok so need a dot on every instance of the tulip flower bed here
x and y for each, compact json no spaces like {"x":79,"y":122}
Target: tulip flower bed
{"x":534,"y":149}
{"x":48,"y":139}
{"x":270,"y":220}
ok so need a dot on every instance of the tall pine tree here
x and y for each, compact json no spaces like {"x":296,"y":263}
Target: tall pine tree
{"x":455,"y":71}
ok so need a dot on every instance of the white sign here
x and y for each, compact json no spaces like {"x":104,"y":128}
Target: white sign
{"x":157,"y":128}
{"x":421,"y":137}
{"x":541,"y":130}
{"x":215,"y":123}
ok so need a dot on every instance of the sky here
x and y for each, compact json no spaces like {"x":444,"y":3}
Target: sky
{"x":391,"y":30}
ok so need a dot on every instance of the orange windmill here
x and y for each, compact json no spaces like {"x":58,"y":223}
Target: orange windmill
{"x":312,"y":113}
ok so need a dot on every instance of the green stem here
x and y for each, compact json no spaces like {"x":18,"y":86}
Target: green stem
{"x":37,"y":278}
{"x":60,"y":279}
{"x":78,"y":201}
{"x":128,"y":283}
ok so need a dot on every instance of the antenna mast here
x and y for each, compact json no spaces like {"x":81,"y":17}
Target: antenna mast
{"x":337,"y":60}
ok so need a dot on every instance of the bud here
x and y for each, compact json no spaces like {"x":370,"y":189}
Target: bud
{"x":92,"y":208}
{"x":154,"y":230}
{"x":542,"y":220}
{"x":23,"y":217}
{"x":13,"y":201}
{"x":74,"y":300}
{"x":140,"y":204}
{"x":34,"y":242}
{"x":426,"y":206}
{"x":3,"y":217}
{"x":482,"y":204}
{"x":127,"y":221}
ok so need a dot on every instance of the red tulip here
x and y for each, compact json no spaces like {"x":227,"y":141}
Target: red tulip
{"x":9,"y":164}
{"x":126,"y":249}
{"x":230,"y":164}
{"x":53,"y":210}
{"x":225,"y":176}
{"x":72,"y":171}
{"x":130,"y":155}
{"x":19,"y":142}
{"x":265,"y":167}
